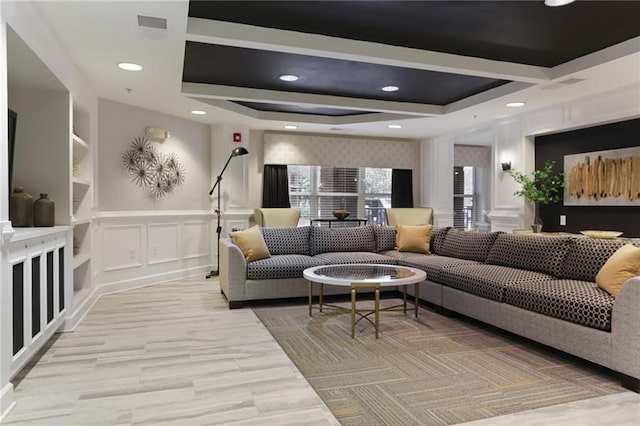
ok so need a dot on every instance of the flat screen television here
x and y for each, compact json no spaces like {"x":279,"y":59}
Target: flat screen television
{"x":12,"y":122}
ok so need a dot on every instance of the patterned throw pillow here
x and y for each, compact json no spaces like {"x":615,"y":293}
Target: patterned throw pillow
{"x":539,"y":253}
{"x":326,"y":240}
{"x":385,"y":238}
{"x":468,"y":245}
{"x":251,"y":244}
{"x":287,"y":240}
{"x":413,"y":238}
{"x":437,"y":238}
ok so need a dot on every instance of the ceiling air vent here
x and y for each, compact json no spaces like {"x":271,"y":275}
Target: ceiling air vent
{"x":151,"y":22}
{"x":571,"y":81}
{"x":561,"y":84}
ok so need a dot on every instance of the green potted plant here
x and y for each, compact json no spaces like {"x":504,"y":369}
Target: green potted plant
{"x":542,"y":187}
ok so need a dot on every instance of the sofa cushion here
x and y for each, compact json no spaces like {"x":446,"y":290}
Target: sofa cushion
{"x":385,"y":238}
{"x":581,"y":302}
{"x":437,"y":238}
{"x":281,"y":266}
{"x":356,"y":238}
{"x":538,"y":253}
{"x":354,"y":257}
{"x":622,"y":265}
{"x":413,"y":238}
{"x":433,"y":264}
{"x":487,"y":281}
{"x":468,"y":245}
{"x":586,"y":256}
{"x":251,"y":244}
{"x":287,"y":240}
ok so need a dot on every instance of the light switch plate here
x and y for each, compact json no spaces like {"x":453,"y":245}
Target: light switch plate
{"x":563,"y":220}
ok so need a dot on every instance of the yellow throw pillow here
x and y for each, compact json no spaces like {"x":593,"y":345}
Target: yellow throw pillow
{"x":622,"y":265}
{"x":413,"y":238}
{"x":251,"y":244}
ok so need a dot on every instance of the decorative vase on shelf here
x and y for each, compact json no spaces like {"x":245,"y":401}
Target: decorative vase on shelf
{"x":44,"y":211}
{"x":536,"y":225}
{"x":20,"y":208}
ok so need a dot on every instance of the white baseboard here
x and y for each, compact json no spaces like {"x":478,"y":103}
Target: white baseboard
{"x":6,"y":400}
{"x":80,"y":311}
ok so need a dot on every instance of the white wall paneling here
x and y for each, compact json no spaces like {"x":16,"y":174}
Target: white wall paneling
{"x":122,"y":246}
{"x":196,"y":239}
{"x":149,"y":247}
{"x":163,"y":242}
{"x":437,"y":184}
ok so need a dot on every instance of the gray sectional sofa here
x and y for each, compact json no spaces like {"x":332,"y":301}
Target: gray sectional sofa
{"x":539,"y":287}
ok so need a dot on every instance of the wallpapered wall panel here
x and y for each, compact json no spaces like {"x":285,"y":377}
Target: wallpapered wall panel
{"x":339,"y":151}
{"x":469,"y":155}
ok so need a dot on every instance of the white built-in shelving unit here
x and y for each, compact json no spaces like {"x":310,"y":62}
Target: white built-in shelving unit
{"x":81,"y":202}
{"x":39,"y":260}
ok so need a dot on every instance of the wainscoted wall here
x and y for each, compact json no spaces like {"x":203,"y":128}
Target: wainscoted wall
{"x":140,"y":248}
{"x":554,"y":147}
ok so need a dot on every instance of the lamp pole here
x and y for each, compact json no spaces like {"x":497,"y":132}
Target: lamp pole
{"x":235,"y":153}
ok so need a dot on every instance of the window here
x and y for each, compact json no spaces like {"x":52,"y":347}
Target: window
{"x":465,"y":205}
{"x":317,"y":191}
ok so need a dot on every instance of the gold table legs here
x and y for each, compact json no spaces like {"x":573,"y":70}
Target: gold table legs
{"x":365,"y":315}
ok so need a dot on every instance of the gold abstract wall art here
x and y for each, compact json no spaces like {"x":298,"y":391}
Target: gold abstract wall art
{"x":603,"y":178}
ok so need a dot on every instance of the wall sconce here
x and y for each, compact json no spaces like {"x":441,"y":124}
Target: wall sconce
{"x":506,"y":166}
{"x":157,"y":133}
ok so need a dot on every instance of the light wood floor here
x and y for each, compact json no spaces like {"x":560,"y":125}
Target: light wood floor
{"x":167,"y":354}
{"x":174,"y":354}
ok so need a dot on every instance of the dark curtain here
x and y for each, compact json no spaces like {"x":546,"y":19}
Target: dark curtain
{"x":401,"y":188}
{"x":275,"y":186}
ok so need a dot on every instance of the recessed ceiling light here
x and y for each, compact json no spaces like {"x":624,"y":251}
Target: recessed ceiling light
{"x":516,"y":104}
{"x":394,"y":126}
{"x":289,"y":127}
{"x":390,"y":89}
{"x":198,"y":112}
{"x":554,"y":3}
{"x":289,"y":77}
{"x":128,"y":66}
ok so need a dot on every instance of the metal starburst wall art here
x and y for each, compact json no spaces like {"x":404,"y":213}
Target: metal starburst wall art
{"x":157,"y":173}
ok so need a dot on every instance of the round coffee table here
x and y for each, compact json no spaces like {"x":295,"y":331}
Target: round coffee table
{"x":365,"y":276}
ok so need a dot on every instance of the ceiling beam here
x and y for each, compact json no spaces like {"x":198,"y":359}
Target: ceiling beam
{"x":611,"y":53}
{"x":248,"y":36}
{"x":212,"y":91}
{"x":291,"y":117}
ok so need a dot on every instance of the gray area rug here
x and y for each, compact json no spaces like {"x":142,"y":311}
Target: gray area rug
{"x":435,"y":370}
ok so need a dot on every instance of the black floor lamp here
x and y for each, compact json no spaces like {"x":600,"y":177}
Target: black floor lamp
{"x":235,"y":153}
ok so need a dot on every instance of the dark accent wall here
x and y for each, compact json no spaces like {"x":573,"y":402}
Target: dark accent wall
{"x":624,"y":134}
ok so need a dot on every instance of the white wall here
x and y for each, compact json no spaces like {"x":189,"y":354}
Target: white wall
{"x":118,"y":126}
{"x":140,"y":239}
